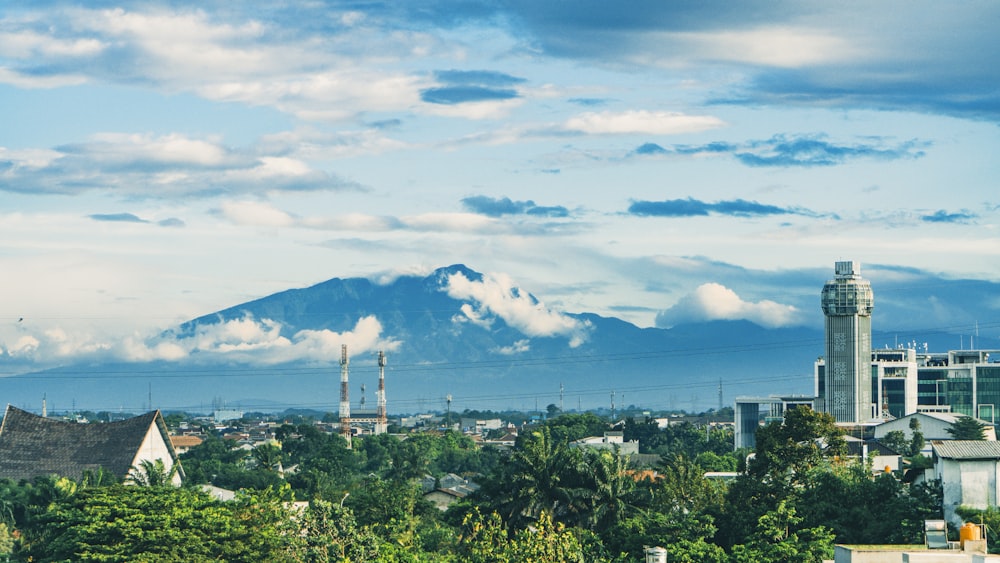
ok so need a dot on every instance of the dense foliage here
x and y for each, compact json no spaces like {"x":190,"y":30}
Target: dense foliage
{"x":308,"y":497}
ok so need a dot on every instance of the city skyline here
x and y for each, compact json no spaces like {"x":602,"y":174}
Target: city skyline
{"x":664,"y":164}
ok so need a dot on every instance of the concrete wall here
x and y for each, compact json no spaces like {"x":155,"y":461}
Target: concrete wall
{"x":967,"y":482}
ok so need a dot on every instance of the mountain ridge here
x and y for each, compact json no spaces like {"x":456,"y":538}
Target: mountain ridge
{"x":479,"y":338}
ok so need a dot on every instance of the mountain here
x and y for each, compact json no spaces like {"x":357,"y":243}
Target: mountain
{"x":456,"y":332}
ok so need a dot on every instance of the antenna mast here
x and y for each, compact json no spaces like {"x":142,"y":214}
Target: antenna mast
{"x":345,"y":405}
{"x":381,"y":425}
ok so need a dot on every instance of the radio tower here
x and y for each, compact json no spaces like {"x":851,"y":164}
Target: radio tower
{"x":381,"y":425}
{"x":345,"y":405}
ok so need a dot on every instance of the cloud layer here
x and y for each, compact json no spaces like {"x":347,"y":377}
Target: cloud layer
{"x":715,"y":302}
{"x":496,"y":297}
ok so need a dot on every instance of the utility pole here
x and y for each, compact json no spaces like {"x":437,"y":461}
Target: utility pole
{"x":720,"y":393}
{"x":560,"y":397}
{"x":448,"y":399}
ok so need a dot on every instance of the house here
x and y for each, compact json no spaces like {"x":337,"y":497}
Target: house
{"x":968,"y":470}
{"x":33,"y":446}
{"x":613,"y":440}
{"x":933,"y":425}
{"x":446,"y":490}
{"x":184,"y":442}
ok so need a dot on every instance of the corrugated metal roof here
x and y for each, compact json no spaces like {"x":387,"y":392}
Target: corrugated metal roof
{"x":966,"y":449}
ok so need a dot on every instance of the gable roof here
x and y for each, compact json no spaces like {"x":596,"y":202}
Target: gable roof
{"x":966,"y":449}
{"x":32,"y":446}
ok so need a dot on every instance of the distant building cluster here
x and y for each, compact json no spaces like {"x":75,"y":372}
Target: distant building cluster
{"x":873,"y":391}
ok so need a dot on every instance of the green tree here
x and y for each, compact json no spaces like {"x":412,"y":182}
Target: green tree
{"x":897,"y":441}
{"x":778,"y":537}
{"x":267,"y":456}
{"x":966,"y":428}
{"x":916,"y":438}
{"x":785,"y":456}
{"x":152,"y":473}
{"x":484,"y":540}
{"x":122,"y":523}
{"x":538,"y":477}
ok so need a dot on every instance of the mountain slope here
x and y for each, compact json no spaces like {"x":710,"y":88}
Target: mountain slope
{"x":475,"y":337}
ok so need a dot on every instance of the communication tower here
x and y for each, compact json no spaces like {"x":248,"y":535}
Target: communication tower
{"x":345,"y":404}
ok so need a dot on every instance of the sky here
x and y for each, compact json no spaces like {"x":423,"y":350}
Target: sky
{"x":660,"y":162}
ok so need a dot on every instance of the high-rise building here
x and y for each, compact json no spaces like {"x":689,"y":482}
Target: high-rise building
{"x":847,"y":303}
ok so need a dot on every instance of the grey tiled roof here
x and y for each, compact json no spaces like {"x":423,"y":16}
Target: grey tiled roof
{"x":966,"y":449}
{"x":32,"y":446}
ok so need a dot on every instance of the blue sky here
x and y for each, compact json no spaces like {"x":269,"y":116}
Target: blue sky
{"x":659,"y":162}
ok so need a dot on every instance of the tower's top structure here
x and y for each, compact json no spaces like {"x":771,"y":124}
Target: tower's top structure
{"x":848,"y":294}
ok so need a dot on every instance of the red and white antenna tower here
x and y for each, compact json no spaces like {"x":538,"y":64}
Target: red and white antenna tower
{"x":382,"y":423}
{"x":345,"y":404}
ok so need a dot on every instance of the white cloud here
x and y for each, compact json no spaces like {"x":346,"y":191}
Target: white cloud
{"x":713,"y":301}
{"x":641,"y":121}
{"x":246,"y":340}
{"x":519,"y":347}
{"x":496,"y":295}
{"x":170,"y":165}
{"x":257,"y":214}
{"x":785,"y":47}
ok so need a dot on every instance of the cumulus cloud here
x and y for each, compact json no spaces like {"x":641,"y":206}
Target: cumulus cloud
{"x":245,"y":340}
{"x":148,"y":166}
{"x":496,"y":296}
{"x":713,"y":301}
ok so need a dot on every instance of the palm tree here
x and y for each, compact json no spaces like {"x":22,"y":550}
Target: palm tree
{"x":608,"y":489}
{"x":538,"y":479}
{"x":268,"y":456}
{"x":152,"y":474}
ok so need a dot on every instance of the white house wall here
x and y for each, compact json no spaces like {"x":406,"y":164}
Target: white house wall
{"x":970,"y":483}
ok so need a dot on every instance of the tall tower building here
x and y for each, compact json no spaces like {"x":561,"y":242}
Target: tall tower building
{"x":847,"y":305}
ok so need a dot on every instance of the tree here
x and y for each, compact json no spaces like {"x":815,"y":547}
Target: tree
{"x":966,"y":428}
{"x":484,"y":540}
{"x":152,"y":473}
{"x":916,"y":438}
{"x":538,"y":477}
{"x":785,"y":456}
{"x":779,"y":538}
{"x":268,"y":457}
{"x":123,"y":523}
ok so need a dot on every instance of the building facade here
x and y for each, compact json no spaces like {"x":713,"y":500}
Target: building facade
{"x":847,"y":303}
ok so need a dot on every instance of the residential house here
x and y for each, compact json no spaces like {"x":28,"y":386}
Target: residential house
{"x":933,"y":425}
{"x":968,"y":470}
{"x":613,"y":440}
{"x":33,"y":446}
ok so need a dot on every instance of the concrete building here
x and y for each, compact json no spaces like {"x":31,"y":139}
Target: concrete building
{"x":969,"y":471}
{"x":612,"y":440}
{"x":847,"y":303}
{"x":751,"y":412}
{"x":960,"y":381}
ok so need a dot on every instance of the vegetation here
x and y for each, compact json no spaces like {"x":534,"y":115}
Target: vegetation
{"x":966,"y":428}
{"x":308,"y":497}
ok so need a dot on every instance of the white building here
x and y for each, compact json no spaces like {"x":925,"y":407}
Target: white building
{"x":968,"y":470}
